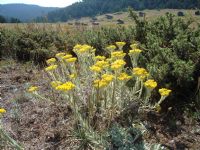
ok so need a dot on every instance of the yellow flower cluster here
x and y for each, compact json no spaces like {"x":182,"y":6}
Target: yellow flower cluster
{"x":120,"y":44}
{"x":54,"y":84}
{"x":32,"y":89}
{"x":102,"y":64}
{"x":51,"y":61}
{"x":65,"y":87}
{"x":134,"y":46}
{"x":135,"y":51}
{"x":111,"y":48}
{"x":118,"y":64}
{"x":67,"y":56}
{"x":164,"y":91}
{"x":71,"y":60}
{"x":124,"y":76}
{"x":106,"y":79}
{"x":151,"y":84}
{"x":140,"y":72}
{"x":83,"y":48}
{"x":118,"y":54}
{"x":51,"y":68}
{"x":60,"y":55}
{"x":100,"y":57}
{"x":2,"y":110}
{"x":95,"y":68}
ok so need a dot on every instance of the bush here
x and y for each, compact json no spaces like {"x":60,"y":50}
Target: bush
{"x":197,"y":13}
{"x":180,"y":14}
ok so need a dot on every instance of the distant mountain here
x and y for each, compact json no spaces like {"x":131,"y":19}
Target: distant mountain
{"x":24,"y":12}
{"x":95,"y":7}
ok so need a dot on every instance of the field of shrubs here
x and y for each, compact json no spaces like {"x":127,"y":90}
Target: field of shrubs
{"x":118,"y":87}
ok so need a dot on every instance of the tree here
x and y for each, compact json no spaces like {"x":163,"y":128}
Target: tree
{"x":2,"y":19}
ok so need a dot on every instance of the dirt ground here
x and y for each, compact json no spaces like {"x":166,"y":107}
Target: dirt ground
{"x":36,"y":124}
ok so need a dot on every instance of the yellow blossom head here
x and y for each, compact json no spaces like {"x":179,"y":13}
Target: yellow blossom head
{"x":32,"y":89}
{"x":124,"y":76}
{"x":60,"y":55}
{"x":54,"y":84}
{"x":135,"y":52}
{"x":140,"y":72}
{"x":150,"y":84}
{"x":102,"y":64}
{"x":111,"y":48}
{"x":67,"y":56}
{"x":118,"y":54}
{"x":120,"y":44}
{"x":95,"y":68}
{"x":100,"y":57}
{"x":71,"y":60}
{"x":100,"y":83}
{"x":134,"y":46}
{"x":107,"y":77}
{"x":118,"y":64}
{"x":65,"y":87}
{"x":51,"y":68}
{"x":51,"y":61}
{"x":164,"y":91}
{"x":2,"y":111}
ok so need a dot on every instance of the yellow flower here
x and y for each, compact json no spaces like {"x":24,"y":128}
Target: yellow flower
{"x":100,"y":83}
{"x":140,"y":72}
{"x":134,"y":46}
{"x":120,"y":44}
{"x":71,"y":60}
{"x":118,"y":64}
{"x":118,"y":54}
{"x":65,"y":87}
{"x":60,"y":55}
{"x":32,"y":89}
{"x":67,"y":56}
{"x":100,"y":57}
{"x":72,"y":76}
{"x":2,"y":110}
{"x":151,"y":84}
{"x":50,"y":68}
{"x":54,"y":84}
{"x":124,"y":76}
{"x":51,"y":61}
{"x":83,"y":48}
{"x":135,"y":51}
{"x":111,"y":47}
{"x":164,"y":91}
{"x":95,"y":68}
{"x":107,"y":77}
{"x":77,"y":47}
{"x":102,"y":64}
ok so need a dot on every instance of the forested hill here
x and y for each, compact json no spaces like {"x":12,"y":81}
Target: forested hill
{"x":94,"y":7}
{"x":24,"y":12}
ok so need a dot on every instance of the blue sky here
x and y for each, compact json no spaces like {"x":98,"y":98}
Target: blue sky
{"x":47,"y":3}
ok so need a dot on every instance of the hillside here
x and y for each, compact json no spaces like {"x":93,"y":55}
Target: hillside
{"x":95,"y":7}
{"x":24,"y":12}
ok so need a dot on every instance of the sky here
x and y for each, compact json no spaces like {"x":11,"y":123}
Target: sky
{"x":46,"y":3}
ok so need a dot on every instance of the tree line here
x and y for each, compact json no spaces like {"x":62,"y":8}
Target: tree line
{"x":95,"y":7}
{"x":9,"y":20}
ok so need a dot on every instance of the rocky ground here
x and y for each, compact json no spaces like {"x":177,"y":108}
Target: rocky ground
{"x":37,"y":124}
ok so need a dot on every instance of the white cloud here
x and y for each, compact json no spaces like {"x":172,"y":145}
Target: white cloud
{"x":47,"y":3}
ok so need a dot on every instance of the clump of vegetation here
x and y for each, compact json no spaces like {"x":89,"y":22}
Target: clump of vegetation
{"x":95,"y":87}
{"x":180,"y":14}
